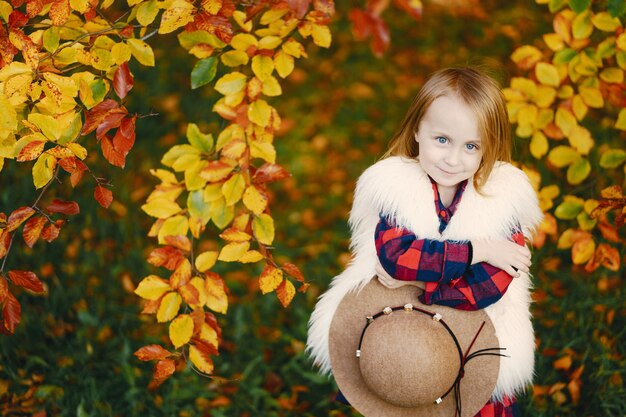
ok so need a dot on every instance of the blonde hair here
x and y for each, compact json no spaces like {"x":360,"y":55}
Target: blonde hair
{"x":482,"y":94}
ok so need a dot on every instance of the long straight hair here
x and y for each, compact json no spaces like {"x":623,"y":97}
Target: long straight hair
{"x":479,"y":92}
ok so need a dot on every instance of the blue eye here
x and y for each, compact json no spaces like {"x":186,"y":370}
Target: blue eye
{"x":471,"y":147}
{"x":441,"y":139}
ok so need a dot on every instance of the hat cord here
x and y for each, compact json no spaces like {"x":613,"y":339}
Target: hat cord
{"x":463,"y":357}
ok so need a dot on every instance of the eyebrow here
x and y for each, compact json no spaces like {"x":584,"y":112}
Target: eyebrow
{"x":442,"y":133}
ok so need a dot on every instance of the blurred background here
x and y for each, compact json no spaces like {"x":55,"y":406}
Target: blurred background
{"x":72,"y":354}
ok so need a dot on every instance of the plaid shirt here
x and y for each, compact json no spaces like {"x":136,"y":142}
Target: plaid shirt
{"x":444,"y":266}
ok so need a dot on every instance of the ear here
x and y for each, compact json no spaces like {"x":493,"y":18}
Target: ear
{"x":415,"y":137}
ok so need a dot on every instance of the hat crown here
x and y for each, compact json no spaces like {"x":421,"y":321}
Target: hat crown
{"x":408,"y":359}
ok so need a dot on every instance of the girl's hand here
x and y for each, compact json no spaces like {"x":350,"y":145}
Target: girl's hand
{"x":504,"y":254}
{"x":390,"y":282}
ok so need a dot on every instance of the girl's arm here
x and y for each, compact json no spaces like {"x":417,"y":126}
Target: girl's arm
{"x":452,"y":273}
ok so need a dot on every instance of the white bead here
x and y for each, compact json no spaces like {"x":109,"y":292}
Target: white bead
{"x":437,"y":317}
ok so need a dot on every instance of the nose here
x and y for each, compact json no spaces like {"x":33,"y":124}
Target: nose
{"x":452,"y":157}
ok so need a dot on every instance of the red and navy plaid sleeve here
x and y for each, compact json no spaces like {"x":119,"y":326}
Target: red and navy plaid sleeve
{"x":443,"y":266}
{"x":508,"y":407}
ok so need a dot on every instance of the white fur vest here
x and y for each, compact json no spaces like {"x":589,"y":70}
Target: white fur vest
{"x":400,"y":189}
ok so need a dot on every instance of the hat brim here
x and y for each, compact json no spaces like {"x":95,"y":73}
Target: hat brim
{"x":480,"y":375}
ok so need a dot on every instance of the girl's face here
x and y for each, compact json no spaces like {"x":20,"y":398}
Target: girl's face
{"x":449,"y":142}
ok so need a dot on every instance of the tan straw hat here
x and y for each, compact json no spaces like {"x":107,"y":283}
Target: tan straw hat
{"x":393,"y":356}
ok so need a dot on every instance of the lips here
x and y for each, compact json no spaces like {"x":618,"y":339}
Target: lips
{"x":446,"y":172}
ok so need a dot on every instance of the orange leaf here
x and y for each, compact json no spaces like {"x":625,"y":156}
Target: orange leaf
{"x":583,"y":250}
{"x":563,"y":363}
{"x":51,"y":231}
{"x":5,"y":241}
{"x":181,"y":275}
{"x":59,"y":12}
{"x":27,"y":279}
{"x":609,"y":232}
{"x":122,"y":80}
{"x":269,"y":172}
{"x":162,"y":370}
{"x":200,"y":359}
{"x":294,"y":271}
{"x":65,"y":207}
{"x":75,"y":167}
{"x":11,"y":313}
{"x":614,"y":191}
{"x":115,"y":157}
{"x":216,"y":171}
{"x":190,"y":293}
{"x":32,"y":230}
{"x":19,"y":216}
{"x":124,"y":138}
{"x":179,"y":241}
{"x":4,"y":288}
{"x":609,"y":256}
{"x":285,"y":292}
{"x":110,"y":121}
{"x":152,"y":352}
{"x":217,"y":299}
{"x":103,"y":196}
{"x":166,"y":256}
{"x":270,"y":279}
{"x":574,"y":390}
{"x":31,"y":151}
{"x":234,"y":235}
{"x":96,"y":115}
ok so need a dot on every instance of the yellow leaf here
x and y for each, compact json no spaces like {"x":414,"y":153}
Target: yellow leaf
{"x":526,"y":56}
{"x":579,"y":107}
{"x":585,"y":222}
{"x":147,"y":12}
{"x":231,"y":83}
{"x":605,"y":22}
{"x":284,"y":63}
{"x":621,"y":120}
{"x":565,"y":91}
{"x":235,"y":235}
{"x":43,"y":170}
{"x":527,"y":115}
{"x":583,"y":250}
{"x":269,"y":42}
{"x":8,"y":117}
{"x":612,"y":75}
{"x":243,"y":41}
{"x":544,"y":118}
{"x":273,"y":15}
{"x":161,"y":208}
{"x":262,"y":66}
{"x":538,"y":145}
{"x":233,"y":251}
{"x":206,"y":260}
{"x":581,"y":140}
{"x":254,"y":200}
{"x":235,"y":58}
{"x":233,"y":189}
{"x":101,"y":59}
{"x":200,"y":360}
{"x":178,"y":14}
{"x":271,"y":87}
{"x":259,"y":112}
{"x":241,"y":18}
{"x":212,"y":192}
{"x":263,"y":228}
{"x":270,"y":279}
{"x":241,"y":221}
{"x":621,"y":41}
{"x":169,"y":306}
{"x":565,"y":120}
{"x":582,"y":26}
{"x":174,"y":226}
{"x":321,"y":35}
{"x":547,"y":74}
{"x":5,"y":10}
{"x":251,"y":256}
{"x":141,"y":51}
{"x":263,"y":150}
{"x":592,"y":97}
{"x":199,"y":284}
{"x":294,"y":48}
{"x":545,"y":96}
{"x":181,"y":329}
{"x":222,"y":214}
{"x":217,"y":300}
{"x":562,"y":156}
{"x":209,"y":335}
{"x":578,"y":171}
{"x":152,"y":287}
{"x":193,"y":179}
{"x":285,"y":292}
{"x":121,"y":53}
{"x":554,"y":41}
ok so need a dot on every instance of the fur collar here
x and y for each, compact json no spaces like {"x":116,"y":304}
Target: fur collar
{"x":399,"y":188}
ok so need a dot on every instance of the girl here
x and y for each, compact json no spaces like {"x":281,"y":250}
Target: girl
{"x":444,"y":210}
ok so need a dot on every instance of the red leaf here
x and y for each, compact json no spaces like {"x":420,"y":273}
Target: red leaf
{"x":218,"y":25}
{"x":33,"y":7}
{"x":205,"y":348}
{"x":124,"y":138}
{"x":50,"y":232}
{"x":414,"y":9}
{"x":75,"y":167}
{"x":65,"y":207}
{"x":11,"y":313}
{"x":32,"y":230}
{"x":17,"y":19}
{"x":4,"y":288}
{"x":31,"y":151}
{"x":152,"y":352}
{"x":269,"y":172}
{"x":18,"y":217}
{"x":95,"y":116}
{"x":110,"y":121}
{"x":162,"y":370}
{"x":5,"y":241}
{"x":122,"y":80}
{"x":111,"y":154}
{"x":167,"y":256}
{"x":104,"y":196}
{"x":294,"y":271}
{"x":26,"y":279}
{"x":211,"y":320}
{"x":299,"y":7}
